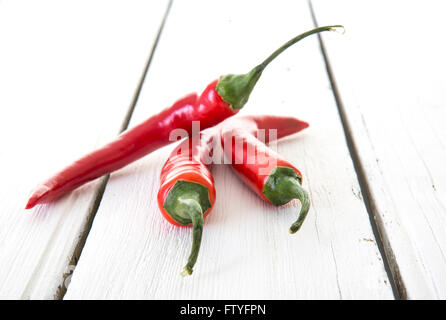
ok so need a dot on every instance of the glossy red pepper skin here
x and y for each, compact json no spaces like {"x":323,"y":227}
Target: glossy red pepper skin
{"x":246,"y":134}
{"x":250,"y":173}
{"x":267,"y":173}
{"x":251,"y":125}
{"x":188,"y":166}
{"x":209,"y":108}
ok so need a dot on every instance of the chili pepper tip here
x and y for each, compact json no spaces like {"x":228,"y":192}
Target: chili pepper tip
{"x":295,"y":227}
{"x":338,"y":28}
{"x":37,"y":196}
{"x":33,"y":200}
{"x":302,"y":195}
{"x":186,"y":272}
{"x":29,"y":204}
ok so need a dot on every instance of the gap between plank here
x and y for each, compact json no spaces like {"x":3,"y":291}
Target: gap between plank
{"x":62,"y":289}
{"x":390,"y":263}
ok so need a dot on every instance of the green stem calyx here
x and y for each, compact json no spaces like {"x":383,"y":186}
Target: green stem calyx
{"x":235,"y":89}
{"x":284,"y":185}
{"x":186,"y":203}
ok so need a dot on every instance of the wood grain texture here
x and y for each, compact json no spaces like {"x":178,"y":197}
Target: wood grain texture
{"x":68,"y":72}
{"x":247,"y":252}
{"x":390,"y":69}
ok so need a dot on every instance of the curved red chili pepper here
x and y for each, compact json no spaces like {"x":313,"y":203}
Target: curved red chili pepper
{"x":220,"y":100}
{"x":187,"y":193}
{"x":266,"y":172}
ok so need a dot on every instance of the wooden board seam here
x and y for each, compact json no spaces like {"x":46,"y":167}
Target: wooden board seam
{"x":128,"y":116}
{"x":99,"y":192}
{"x":390,"y":263}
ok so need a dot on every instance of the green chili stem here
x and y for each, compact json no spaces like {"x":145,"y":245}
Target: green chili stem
{"x":195,"y":212}
{"x":302,"y":195}
{"x":284,"y":185}
{"x":236,"y":88}
{"x":293,"y":41}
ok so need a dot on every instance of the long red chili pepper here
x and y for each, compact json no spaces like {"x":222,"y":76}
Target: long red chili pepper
{"x":187,"y":192}
{"x":266,"y":172}
{"x":221,"y":99}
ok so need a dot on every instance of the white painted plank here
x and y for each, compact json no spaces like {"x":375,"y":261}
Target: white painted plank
{"x":247,"y":253}
{"x":390,"y":71}
{"x":68,"y":72}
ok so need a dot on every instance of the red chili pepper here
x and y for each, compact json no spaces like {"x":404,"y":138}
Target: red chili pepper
{"x":187,"y":193}
{"x":221,"y":99}
{"x":266,"y":172}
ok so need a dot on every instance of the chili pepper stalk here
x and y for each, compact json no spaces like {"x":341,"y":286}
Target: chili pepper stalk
{"x":236,"y":89}
{"x":186,"y":202}
{"x":283,"y":185}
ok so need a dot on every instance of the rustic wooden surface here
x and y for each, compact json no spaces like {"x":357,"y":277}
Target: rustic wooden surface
{"x":390,"y":72}
{"x":247,"y":252}
{"x":69,"y":74}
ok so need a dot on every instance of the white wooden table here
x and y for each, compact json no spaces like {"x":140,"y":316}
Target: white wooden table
{"x":73,"y":74}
